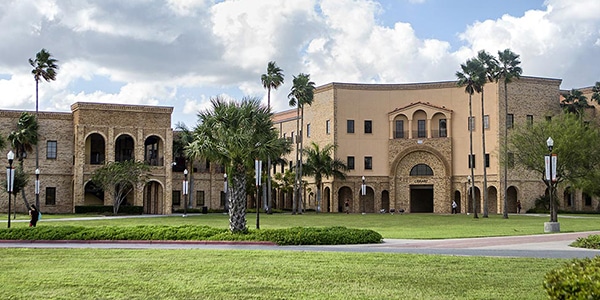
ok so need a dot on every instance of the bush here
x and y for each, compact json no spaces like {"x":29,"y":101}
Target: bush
{"x":290,"y":236}
{"x":578,"y":279}
{"x":590,"y":242}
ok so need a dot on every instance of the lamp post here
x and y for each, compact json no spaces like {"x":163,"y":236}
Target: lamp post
{"x":226,"y":204}
{"x":363,"y":192}
{"x":185,"y":192}
{"x":9,"y":180}
{"x":553,"y":225}
{"x":257,"y":175}
{"x":37,"y":186}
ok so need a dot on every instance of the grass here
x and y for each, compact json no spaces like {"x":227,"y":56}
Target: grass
{"x":409,"y":226}
{"x":232,"y":274}
{"x":211,"y":274}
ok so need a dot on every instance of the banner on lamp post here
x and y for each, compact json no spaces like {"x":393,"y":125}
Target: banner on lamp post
{"x":547,"y":167}
{"x":10,"y":179}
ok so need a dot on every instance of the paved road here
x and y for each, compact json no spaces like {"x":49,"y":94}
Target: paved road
{"x":538,"y":246}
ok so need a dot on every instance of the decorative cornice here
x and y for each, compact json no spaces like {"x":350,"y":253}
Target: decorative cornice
{"x":427,"y":104}
{"x":120,"y":107}
{"x":41,"y":115}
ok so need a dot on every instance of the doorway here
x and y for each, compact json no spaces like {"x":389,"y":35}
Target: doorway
{"x":421,"y":198}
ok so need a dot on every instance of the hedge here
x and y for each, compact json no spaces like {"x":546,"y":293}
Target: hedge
{"x":289,"y":236}
{"x":578,"y":279}
{"x":590,"y":242}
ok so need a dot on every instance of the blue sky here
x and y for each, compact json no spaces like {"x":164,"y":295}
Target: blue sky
{"x":181,"y":53}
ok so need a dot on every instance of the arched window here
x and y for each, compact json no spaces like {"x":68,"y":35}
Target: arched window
{"x":421,"y":170}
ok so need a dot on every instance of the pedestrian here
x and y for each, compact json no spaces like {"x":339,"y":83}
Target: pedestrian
{"x":454,"y":206}
{"x":347,"y":206}
{"x":34,"y":215}
{"x":518,"y":206}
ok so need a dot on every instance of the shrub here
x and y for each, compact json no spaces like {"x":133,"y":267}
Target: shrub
{"x":578,"y":279}
{"x":290,"y":236}
{"x":590,"y":242}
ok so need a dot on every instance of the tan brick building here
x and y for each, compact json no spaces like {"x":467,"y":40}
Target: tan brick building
{"x":409,"y":141}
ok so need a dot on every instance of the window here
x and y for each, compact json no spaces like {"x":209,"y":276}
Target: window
{"x":176,"y":197}
{"x":50,"y":196}
{"x":199,"y":198}
{"x":487,"y":160}
{"x":510,"y":120}
{"x":486,"y":122}
{"x":511,"y":159}
{"x":368,"y":163}
{"x":471,"y":161}
{"x":529,"y":120}
{"x":443,"y":129}
{"x":421,"y":129}
{"x":308,"y":130}
{"x":350,"y":162}
{"x":368,"y":126}
{"x":51,"y":150}
{"x":328,"y":126}
{"x":421,"y":170}
{"x":471,"y":125}
{"x":350,"y":126}
{"x":399,"y":129}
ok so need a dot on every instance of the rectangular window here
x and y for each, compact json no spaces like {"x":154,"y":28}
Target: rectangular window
{"x":471,"y":161}
{"x":368,"y":163}
{"x":486,"y":122}
{"x":368,"y":126}
{"x":308,"y":130}
{"x":529,"y":120}
{"x":350,"y":162}
{"x":350,"y":126}
{"x":328,"y":126}
{"x":199,"y":198}
{"x":422,"y":131}
{"x":510,"y":121}
{"x":399,"y":129}
{"x":51,"y":149}
{"x":50,"y":196}
{"x":471,"y":125}
{"x":176,"y":198}
{"x":511,"y":159}
{"x":443,"y":128}
{"x":487,"y":160}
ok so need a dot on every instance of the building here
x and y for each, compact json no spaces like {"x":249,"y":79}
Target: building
{"x":410,"y":142}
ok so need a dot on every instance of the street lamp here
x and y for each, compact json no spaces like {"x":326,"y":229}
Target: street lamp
{"x":226,"y":204}
{"x":37,"y":186}
{"x":185,"y":192}
{"x":9,"y":180}
{"x":363,"y":192}
{"x":550,"y":144}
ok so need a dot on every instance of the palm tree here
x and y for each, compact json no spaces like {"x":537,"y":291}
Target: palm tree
{"x":508,"y":70}
{"x":596,"y":92}
{"x":233,"y":134}
{"x":319,"y":163}
{"x":44,"y":67}
{"x":271,"y":80}
{"x":490,"y":63}
{"x":183,"y":139}
{"x":302,"y":93}
{"x":472,"y":78}
{"x":575,"y":102}
{"x":23,"y":139}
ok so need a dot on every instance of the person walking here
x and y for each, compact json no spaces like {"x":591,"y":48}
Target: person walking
{"x":347,"y":206}
{"x":34,"y":216}
{"x":454,"y":206}
{"x":518,"y":206}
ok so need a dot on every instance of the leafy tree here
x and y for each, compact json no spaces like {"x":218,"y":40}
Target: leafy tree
{"x":120,"y":178}
{"x":44,"y":67}
{"x":273,"y":79}
{"x":302,"y":94}
{"x":574,"y":102}
{"x":233,"y":134}
{"x":472,"y":78}
{"x":596,"y":92}
{"x":490,"y":64}
{"x":22,"y":140}
{"x":576,"y":145}
{"x":319,"y":163}
{"x":508,"y":69}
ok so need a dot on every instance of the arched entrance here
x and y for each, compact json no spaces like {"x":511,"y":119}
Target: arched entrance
{"x":511,"y":198}
{"x":492,"y":200}
{"x":95,"y":149}
{"x":367,"y":202}
{"x":94,"y":195}
{"x":385,"y":200}
{"x":477,"y":200}
{"x":153,"y":198}
{"x":345,"y":193}
{"x":457,"y":200}
{"x":421,"y":198}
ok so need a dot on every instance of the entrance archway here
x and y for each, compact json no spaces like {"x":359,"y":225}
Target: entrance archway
{"x":421,"y":198}
{"x":367,"y":202}
{"x":153,"y":198}
{"x":492,"y":200}
{"x":345,"y":193}
{"x":385,"y":200}
{"x":458,"y":202}
{"x":511,"y":198}
{"x":94,"y":195}
{"x":477,"y":200}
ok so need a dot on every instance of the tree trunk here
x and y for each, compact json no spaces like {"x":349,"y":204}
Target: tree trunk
{"x":237,"y":202}
{"x":296,"y":171}
{"x":300,"y":191}
{"x":471,"y":160}
{"x":485,"y":191}
{"x":37,"y":156}
{"x":318,"y":197}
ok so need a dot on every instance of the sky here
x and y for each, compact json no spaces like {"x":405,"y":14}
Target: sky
{"x":182,"y":53}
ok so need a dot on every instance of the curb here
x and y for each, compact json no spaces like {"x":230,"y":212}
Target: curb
{"x":173,"y":242}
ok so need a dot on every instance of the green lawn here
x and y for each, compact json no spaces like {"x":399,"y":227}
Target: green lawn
{"x":232,"y":274}
{"x":417,"y":226}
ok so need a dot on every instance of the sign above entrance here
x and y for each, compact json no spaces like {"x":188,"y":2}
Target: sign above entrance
{"x":421,"y":181}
